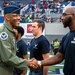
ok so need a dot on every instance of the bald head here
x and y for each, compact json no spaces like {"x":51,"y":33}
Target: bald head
{"x":69,"y":9}
{"x":68,"y":17}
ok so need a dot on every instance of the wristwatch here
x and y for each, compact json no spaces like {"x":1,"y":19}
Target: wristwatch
{"x":39,"y":63}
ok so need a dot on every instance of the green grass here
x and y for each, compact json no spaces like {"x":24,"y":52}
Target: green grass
{"x":53,"y":68}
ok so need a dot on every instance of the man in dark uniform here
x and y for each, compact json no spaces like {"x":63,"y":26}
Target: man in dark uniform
{"x":39,"y":46}
{"x":67,"y":47}
{"x":21,"y":48}
{"x":8,"y":58}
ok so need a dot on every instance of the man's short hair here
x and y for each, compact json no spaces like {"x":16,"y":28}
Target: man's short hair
{"x":20,"y":30}
{"x":40,"y":22}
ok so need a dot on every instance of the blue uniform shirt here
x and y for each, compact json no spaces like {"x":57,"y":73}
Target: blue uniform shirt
{"x":68,"y":49}
{"x":21,"y":48}
{"x":38,"y":47}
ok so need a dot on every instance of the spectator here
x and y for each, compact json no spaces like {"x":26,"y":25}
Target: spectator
{"x":56,"y":46}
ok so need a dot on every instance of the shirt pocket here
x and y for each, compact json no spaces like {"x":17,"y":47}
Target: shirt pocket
{"x":13,"y":44}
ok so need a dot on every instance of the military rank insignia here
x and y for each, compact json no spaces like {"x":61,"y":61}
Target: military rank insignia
{"x":4,"y":36}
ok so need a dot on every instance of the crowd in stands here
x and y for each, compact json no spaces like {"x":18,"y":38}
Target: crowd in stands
{"x":39,"y":9}
{"x":42,"y":11}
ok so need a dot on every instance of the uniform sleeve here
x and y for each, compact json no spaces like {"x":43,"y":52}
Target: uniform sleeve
{"x":9,"y":58}
{"x":45,"y":46}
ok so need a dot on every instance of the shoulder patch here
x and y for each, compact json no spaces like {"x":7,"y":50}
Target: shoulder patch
{"x":4,"y":36}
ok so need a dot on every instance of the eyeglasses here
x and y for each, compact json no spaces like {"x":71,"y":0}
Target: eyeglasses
{"x":64,"y":14}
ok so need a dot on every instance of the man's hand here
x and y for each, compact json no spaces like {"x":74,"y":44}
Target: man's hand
{"x":32,"y":63}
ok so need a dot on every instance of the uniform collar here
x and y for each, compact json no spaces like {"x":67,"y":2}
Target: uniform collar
{"x":7,"y":26}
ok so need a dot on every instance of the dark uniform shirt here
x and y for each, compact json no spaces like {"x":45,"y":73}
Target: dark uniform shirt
{"x":38,"y":47}
{"x":21,"y":48}
{"x":68,"y":49}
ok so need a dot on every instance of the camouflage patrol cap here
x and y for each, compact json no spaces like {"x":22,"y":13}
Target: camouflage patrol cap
{"x":12,"y":9}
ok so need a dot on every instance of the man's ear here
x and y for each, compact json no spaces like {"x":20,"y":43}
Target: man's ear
{"x":74,"y":16}
{"x":7,"y":17}
{"x":19,"y":34}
